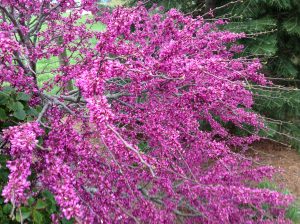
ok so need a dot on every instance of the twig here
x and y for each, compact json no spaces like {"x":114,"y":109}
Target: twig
{"x":56,"y":101}
{"x":12,"y":215}
{"x":42,"y":148}
{"x":128,"y":213}
{"x":2,"y":142}
{"x":221,"y":7}
{"x":177,"y":212}
{"x":41,"y":114}
{"x":131,"y":148}
{"x":21,"y":216}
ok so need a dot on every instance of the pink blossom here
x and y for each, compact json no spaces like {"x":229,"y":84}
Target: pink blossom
{"x":145,"y":136}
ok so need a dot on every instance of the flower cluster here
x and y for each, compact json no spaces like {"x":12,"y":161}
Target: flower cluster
{"x":23,"y":140}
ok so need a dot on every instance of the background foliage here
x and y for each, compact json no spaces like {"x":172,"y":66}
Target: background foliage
{"x":14,"y":109}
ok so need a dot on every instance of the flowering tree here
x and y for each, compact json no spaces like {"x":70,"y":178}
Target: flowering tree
{"x":143,"y":135}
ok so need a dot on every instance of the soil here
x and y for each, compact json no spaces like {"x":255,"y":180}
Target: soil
{"x":284,"y":158}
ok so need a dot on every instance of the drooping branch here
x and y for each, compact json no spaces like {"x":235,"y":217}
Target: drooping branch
{"x":129,"y":146}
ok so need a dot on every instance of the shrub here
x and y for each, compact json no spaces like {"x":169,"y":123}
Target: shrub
{"x":165,"y":82}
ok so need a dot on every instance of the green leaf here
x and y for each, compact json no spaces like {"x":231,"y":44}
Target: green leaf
{"x":65,"y":221}
{"x":293,"y":213}
{"x":7,"y":208}
{"x":3,"y":115}
{"x":267,"y":185}
{"x":15,"y":106}
{"x":50,"y":200}
{"x":8,"y":90}
{"x":20,"y":114}
{"x":23,"y":97}
{"x":3,"y":98}
{"x":31,"y":201}
{"x":40,"y":204}
{"x":25,"y":214}
{"x":37,"y":217}
{"x":4,"y":175}
{"x":32,"y":112}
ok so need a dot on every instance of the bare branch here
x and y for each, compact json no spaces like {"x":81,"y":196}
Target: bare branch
{"x":56,"y":101}
{"x":221,"y":7}
{"x":44,"y":110}
{"x":131,"y":148}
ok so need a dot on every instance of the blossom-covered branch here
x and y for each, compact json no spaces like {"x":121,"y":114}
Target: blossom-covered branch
{"x":146,"y":134}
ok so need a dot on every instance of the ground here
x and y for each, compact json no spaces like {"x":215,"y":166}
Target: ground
{"x":288,"y":180}
{"x":284,"y":158}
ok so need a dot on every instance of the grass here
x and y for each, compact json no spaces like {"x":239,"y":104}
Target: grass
{"x":45,"y":66}
{"x":292,"y":212}
{"x":115,"y":3}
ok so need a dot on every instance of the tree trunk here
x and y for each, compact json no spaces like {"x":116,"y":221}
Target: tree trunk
{"x":63,"y":61}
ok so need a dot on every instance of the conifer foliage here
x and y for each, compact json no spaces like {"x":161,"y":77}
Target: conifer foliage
{"x":274,"y":36}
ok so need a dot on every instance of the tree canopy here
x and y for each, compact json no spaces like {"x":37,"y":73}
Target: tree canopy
{"x":145,"y":134}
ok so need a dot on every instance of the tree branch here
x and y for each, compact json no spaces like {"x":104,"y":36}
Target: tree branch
{"x":132,"y":148}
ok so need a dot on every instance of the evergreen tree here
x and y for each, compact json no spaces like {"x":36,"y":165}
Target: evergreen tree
{"x":273,"y":28}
